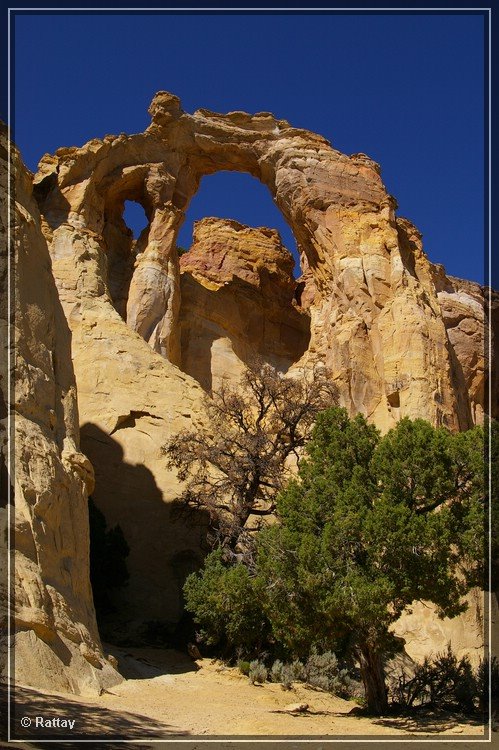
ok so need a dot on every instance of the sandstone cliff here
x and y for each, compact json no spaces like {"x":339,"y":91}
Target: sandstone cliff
{"x":375,"y":316}
{"x":221,"y":327}
{"x":150,"y":333}
{"x":55,"y":634}
{"x":465,"y":308}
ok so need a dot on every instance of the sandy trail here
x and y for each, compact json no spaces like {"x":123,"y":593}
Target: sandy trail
{"x":169,"y":696}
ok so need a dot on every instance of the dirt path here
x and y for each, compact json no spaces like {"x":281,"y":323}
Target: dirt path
{"x":167,"y":695}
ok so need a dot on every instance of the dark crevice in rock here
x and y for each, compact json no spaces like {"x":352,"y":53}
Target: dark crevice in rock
{"x":130,"y":420}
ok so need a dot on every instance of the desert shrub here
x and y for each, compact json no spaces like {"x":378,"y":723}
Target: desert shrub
{"x":319,"y":670}
{"x":325,"y":672}
{"x":444,"y":682}
{"x":485,"y":667}
{"x":244,"y":667}
{"x":257,"y":671}
{"x":286,"y":673}
{"x":288,"y":676}
{"x":297,"y":670}
{"x":275,"y":674}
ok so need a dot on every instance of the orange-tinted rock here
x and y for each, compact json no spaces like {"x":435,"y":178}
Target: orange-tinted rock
{"x":238,"y":302}
{"x":375,"y":316}
{"x":465,"y":308}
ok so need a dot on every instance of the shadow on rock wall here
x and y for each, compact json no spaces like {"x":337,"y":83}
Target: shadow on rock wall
{"x":165,"y":546}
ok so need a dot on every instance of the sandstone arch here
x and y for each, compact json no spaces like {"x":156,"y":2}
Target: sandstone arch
{"x":365,"y":275}
{"x":370,"y":294}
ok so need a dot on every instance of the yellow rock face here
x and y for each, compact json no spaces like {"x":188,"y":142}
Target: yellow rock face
{"x":150,"y":333}
{"x":55,"y":634}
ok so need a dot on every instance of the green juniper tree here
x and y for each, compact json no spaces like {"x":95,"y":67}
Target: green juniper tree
{"x":369,"y":526}
{"x":227,"y":604}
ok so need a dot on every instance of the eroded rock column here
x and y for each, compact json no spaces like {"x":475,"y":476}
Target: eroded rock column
{"x":56,"y":642}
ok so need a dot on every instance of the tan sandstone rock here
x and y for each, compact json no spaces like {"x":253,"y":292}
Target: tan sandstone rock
{"x":367,"y":305}
{"x":375,"y":317}
{"x":426,"y":634}
{"x":55,"y":634}
{"x":238,"y":302}
{"x":131,"y":401}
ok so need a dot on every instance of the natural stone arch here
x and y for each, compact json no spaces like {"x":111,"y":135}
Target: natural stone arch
{"x":363,"y":275}
{"x":370,"y":292}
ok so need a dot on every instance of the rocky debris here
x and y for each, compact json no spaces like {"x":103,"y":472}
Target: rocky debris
{"x":55,"y":634}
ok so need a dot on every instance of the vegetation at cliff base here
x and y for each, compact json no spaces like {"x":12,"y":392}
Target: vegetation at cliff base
{"x":369,"y":525}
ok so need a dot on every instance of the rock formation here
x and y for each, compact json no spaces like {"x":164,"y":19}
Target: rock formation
{"x":150,"y":333}
{"x":54,"y":630}
{"x":425,"y":633}
{"x":464,"y":305}
{"x":375,"y":316}
{"x":237,"y":302}
{"x":5,"y":485}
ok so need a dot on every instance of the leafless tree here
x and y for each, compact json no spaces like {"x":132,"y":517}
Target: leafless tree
{"x":235,"y":465}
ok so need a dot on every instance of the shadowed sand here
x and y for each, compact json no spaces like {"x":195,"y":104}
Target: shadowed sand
{"x":167,"y":696}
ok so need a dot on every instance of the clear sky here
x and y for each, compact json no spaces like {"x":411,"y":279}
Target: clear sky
{"x":407,"y":89}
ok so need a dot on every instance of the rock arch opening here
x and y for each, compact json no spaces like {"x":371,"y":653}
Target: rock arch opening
{"x":237,"y":282}
{"x":359,"y":284}
{"x":135,"y":218}
{"x":230,"y":296}
{"x":125,"y":232}
{"x":238,"y":196}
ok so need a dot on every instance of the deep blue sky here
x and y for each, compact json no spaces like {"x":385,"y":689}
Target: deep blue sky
{"x":406,"y":89}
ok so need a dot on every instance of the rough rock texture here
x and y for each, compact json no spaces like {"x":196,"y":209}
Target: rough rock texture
{"x":367,"y":299}
{"x":238,"y":302}
{"x":56,"y":641}
{"x":131,"y":400}
{"x":426,"y":634}
{"x":375,"y":317}
{"x":5,"y":491}
{"x":465,"y":306}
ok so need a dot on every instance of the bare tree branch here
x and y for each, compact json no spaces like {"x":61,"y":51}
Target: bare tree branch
{"x":235,"y":468}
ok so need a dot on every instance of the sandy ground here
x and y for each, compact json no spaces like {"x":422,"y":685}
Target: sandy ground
{"x":168,"y":696}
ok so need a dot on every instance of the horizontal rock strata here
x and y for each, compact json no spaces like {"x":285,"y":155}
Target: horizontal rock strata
{"x":238,"y":302}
